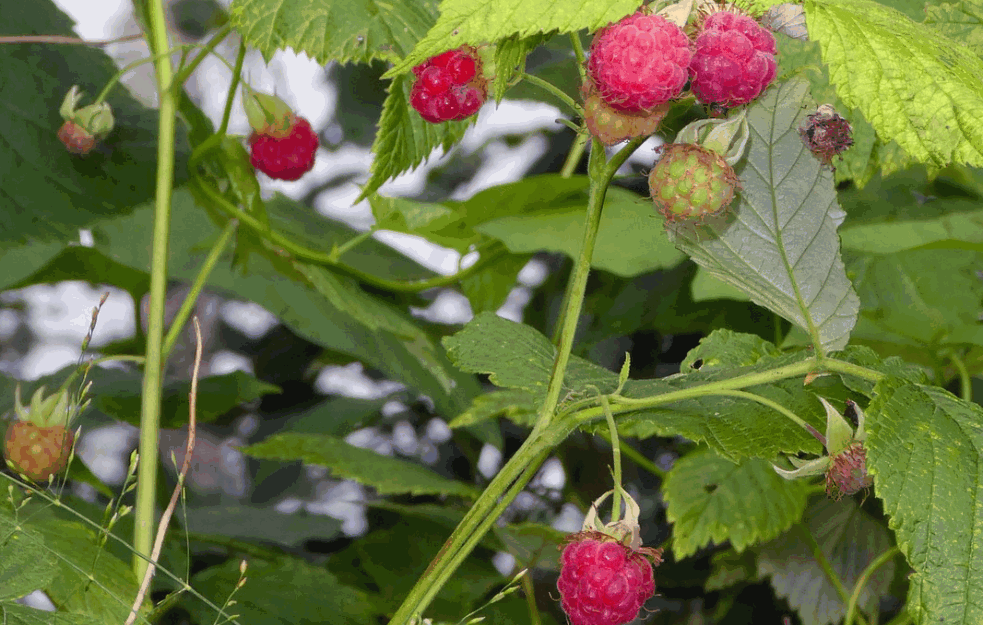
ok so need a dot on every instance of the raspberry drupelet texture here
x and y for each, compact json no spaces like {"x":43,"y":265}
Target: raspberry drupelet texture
{"x":603,"y":582}
{"x":448,"y":86}
{"x":691,"y":182}
{"x":734,"y":60}
{"x":286,"y":157}
{"x":639,"y":62}
{"x":37,"y":452}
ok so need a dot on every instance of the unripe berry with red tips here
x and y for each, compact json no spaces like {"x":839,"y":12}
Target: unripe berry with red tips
{"x":691,"y":182}
{"x":734,"y":60}
{"x":639,"y":62}
{"x":449,"y":86}
{"x":37,"y":452}
{"x":604,"y":582}
{"x":84,"y":127}
{"x":77,"y":139}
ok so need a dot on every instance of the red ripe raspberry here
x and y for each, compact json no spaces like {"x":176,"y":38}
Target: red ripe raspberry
{"x":734,"y":60}
{"x":286,"y":157}
{"x":448,"y":86}
{"x":639,"y":63}
{"x":603,"y":582}
{"x":35,"y":451}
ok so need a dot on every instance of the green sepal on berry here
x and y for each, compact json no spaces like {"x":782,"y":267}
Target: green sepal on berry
{"x":267,"y":114}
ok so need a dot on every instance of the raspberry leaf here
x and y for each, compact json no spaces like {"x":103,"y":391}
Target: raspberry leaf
{"x":929,"y":473}
{"x":915,"y":85}
{"x":849,"y":539}
{"x":358,"y":31}
{"x":25,"y":564}
{"x":711,"y":499}
{"x":781,"y":248}
{"x":386,"y":474}
{"x":469,"y":22}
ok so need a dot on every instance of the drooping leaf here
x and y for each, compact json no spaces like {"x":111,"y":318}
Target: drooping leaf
{"x":357,"y":32}
{"x":467,"y":22}
{"x":20,"y":261}
{"x":781,"y":246}
{"x":386,"y":474}
{"x":260,"y":524}
{"x":915,"y":300}
{"x":849,"y":539}
{"x":726,"y":348}
{"x":287,"y":590}
{"x":712,"y":500}
{"x":729,"y":568}
{"x":925,"y":451}
{"x":45,"y":192}
{"x":912,"y":83}
{"x":217,"y":395}
{"x":488,"y":288}
{"x":17,"y":614}
{"x":516,"y":405}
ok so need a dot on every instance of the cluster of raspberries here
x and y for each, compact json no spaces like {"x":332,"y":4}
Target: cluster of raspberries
{"x":643,"y":61}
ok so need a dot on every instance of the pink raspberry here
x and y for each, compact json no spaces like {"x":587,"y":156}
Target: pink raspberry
{"x":288,"y":156}
{"x":734,"y":60}
{"x":603,"y":582}
{"x":448,"y":86}
{"x":639,"y":63}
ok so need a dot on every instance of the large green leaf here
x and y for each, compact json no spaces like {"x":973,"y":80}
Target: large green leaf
{"x":386,"y":474}
{"x":358,"y":31}
{"x":912,"y":83}
{"x":711,"y":499}
{"x":25,"y":564}
{"x":925,"y":450}
{"x":781,"y":247}
{"x":631,"y":239}
{"x":21,"y":261}
{"x":45,"y":192}
{"x":849,"y":539}
{"x":918,"y":299}
{"x":477,"y":22}
{"x":960,"y":21}
{"x":323,"y":307}
{"x":288,"y":590}
{"x":17,"y":614}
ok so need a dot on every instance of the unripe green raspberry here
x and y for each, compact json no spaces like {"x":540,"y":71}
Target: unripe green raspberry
{"x":691,"y":182}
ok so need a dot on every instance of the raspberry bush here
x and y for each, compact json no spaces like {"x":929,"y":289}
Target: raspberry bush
{"x":717,"y":261}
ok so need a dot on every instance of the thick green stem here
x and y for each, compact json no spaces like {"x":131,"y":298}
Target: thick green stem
{"x":196,"y":287}
{"x":965,"y":380}
{"x":601,"y":171}
{"x":152,"y":377}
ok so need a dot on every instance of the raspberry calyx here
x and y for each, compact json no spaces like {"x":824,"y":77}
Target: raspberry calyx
{"x":639,"y":62}
{"x":734,"y":60}
{"x":449,"y":86}
{"x":38,"y":444}
{"x":84,"y":127}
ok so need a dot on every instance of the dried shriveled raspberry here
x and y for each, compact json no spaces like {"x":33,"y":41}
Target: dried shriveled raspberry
{"x":826,"y":134}
{"x":639,"y":62}
{"x":286,"y":156}
{"x":734,"y":60}
{"x":449,"y":86}
{"x":691,"y":182}
{"x":847,"y":472}
{"x":35,"y":451}
{"x":603,"y":582}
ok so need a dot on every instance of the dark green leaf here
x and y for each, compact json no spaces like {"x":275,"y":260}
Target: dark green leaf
{"x":713,"y":500}
{"x":386,"y":474}
{"x":488,"y":288}
{"x":260,"y":524}
{"x":25,"y":564}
